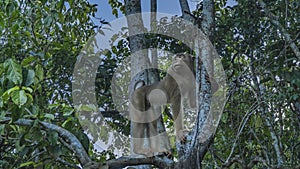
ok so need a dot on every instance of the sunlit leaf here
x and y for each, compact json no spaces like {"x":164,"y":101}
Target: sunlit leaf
{"x":30,"y":77}
{"x":27,"y":89}
{"x":68,"y":111}
{"x":28,"y":61}
{"x":89,"y":107}
{"x":49,"y":116}
{"x":15,"y":28}
{"x":14,"y":71}
{"x":19,"y":97}
{"x":1,"y":102}
{"x":29,"y":163}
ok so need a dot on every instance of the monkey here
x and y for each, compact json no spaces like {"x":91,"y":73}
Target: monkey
{"x":176,"y":88}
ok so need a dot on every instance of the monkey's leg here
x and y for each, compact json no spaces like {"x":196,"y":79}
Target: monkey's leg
{"x":138,"y":138}
{"x":178,"y":120}
{"x":152,"y":134}
{"x":159,"y":140}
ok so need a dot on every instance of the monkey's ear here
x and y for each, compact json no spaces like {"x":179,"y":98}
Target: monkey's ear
{"x":138,"y":84}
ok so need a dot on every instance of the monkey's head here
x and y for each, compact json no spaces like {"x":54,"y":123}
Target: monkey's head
{"x":182,"y":63}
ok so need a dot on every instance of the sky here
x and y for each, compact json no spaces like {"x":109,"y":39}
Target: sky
{"x":163,"y":6}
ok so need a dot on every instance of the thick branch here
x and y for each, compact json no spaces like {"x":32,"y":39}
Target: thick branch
{"x":233,"y":160}
{"x":185,"y":10}
{"x":239,"y":160}
{"x":286,"y":35}
{"x":130,"y":161}
{"x":153,"y":19}
{"x":82,"y":156}
{"x":184,"y":6}
{"x":74,"y":143}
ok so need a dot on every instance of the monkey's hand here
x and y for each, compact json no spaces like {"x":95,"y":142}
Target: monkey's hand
{"x":214,"y":84}
{"x":181,"y":136}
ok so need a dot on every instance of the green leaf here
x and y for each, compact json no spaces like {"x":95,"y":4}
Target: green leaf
{"x":68,"y":120}
{"x":60,"y":5}
{"x":88,"y":107}
{"x":27,"y":164}
{"x":52,"y":137}
{"x":2,"y":129}
{"x":68,"y":111}
{"x":30,"y":77}
{"x":27,"y":89}
{"x":14,"y":71}
{"x":20,"y":143}
{"x":56,"y":105}
{"x":29,"y":98}
{"x":1,"y":102}
{"x":224,"y":117}
{"x":19,"y":97}
{"x":295,"y":97}
{"x":48,"y":21}
{"x":258,"y":123}
{"x":28,"y":61}
{"x":9,"y":91}
{"x":2,"y":68}
{"x":15,"y":28}
{"x":49,"y":116}
{"x":115,"y":12}
{"x":39,"y":72}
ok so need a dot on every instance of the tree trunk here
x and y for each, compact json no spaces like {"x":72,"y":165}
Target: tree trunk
{"x":191,"y":154}
{"x":140,"y":62}
{"x":153,"y":29}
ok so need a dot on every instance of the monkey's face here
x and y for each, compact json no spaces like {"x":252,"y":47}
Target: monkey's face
{"x":182,"y":63}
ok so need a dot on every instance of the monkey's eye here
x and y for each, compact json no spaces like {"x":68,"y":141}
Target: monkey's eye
{"x":179,"y":56}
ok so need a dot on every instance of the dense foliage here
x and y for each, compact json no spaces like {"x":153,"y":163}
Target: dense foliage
{"x":260,"y":124}
{"x":40,"y":41}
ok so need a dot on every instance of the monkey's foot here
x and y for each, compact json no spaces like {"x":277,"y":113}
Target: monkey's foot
{"x":181,"y":136}
{"x":145,"y":152}
{"x":137,"y":156}
{"x":167,"y":154}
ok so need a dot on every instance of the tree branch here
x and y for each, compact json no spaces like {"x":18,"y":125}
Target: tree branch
{"x":233,"y":160}
{"x":185,"y":10}
{"x":74,"y":143}
{"x":160,"y":162}
{"x":239,"y":160}
{"x":67,"y":163}
{"x":260,"y":96}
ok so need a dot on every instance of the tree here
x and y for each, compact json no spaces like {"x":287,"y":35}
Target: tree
{"x":258,"y":137}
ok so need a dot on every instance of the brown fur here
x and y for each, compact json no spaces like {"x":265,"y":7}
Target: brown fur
{"x":178,"y":85}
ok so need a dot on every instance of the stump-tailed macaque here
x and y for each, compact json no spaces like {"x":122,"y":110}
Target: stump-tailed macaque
{"x":178,"y":88}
